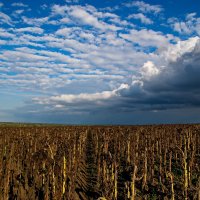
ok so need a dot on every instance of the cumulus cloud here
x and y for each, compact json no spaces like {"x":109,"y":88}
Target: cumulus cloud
{"x":149,"y":70}
{"x":141,"y":17}
{"x":174,"y":52}
{"x":172,"y":85}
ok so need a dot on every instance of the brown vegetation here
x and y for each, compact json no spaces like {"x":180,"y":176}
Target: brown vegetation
{"x":113,"y":162}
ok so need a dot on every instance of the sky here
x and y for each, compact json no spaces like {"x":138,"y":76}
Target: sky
{"x":100,"y":62}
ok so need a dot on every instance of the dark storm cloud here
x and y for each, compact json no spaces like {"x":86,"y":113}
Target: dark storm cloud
{"x":176,"y":85}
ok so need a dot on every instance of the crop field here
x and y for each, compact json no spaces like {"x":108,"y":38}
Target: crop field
{"x":99,"y":162}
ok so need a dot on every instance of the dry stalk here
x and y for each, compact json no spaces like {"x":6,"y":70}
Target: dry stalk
{"x":169,"y":174}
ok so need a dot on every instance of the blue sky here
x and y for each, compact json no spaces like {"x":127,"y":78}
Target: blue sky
{"x":100,"y":62}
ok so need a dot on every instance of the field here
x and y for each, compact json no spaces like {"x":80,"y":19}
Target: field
{"x":99,"y":162}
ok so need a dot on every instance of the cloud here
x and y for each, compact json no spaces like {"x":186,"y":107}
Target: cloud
{"x":35,"y":30}
{"x":2,"y":42}
{"x":83,"y":97}
{"x":191,"y":16}
{"x":149,"y":70}
{"x":148,"y":38}
{"x":5,"y":34}
{"x":66,"y":31}
{"x":19,"y":4}
{"x":88,"y":19}
{"x":21,"y":56}
{"x":18,"y":12}
{"x":71,"y":1}
{"x":141,"y":17}
{"x":65,"y":20}
{"x":1,"y":4}
{"x":86,"y":15}
{"x":77,"y":55}
{"x":93,"y":60}
{"x":189,"y":26}
{"x":174,"y":52}
{"x":79,"y":103}
{"x":145,"y":7}
{"x":35,"y":21}
{"x":58,"y":10}
{"x":4,"y":18}
{"x":173,"y":85}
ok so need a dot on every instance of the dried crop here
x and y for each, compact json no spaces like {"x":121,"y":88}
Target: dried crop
{"x":99,"y":162}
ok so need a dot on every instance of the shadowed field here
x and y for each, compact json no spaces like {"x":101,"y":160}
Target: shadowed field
{"x":89,"y":162}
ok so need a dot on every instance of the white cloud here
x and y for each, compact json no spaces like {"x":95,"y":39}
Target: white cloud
{"x":65,"y":31}
{"x":86,"y":15}
{"x":18,"y":12}
{"x":76,"y":32}
{"x":57,"y":56}
{"x":1,"y":4}
{"x":148,"y":38}
{"x":191,"y":16}
{"x":35,"y":30}
{"x":71,"y":1}
{"x":120,"y":22}
{"x":141,"y":17}
{"x":19,"y":4}
{"x":35,"y":21}
{"x":2,"y":42}
{"x":145,"y":7}
{"x":88,"y":36}
{"x":65,"y":20}
{"x":21,"y":56}
{"x":91,"y":56}
{"x":149,"y":70}
{"x":4,"y":18}
{"x":83,"y":97}
{"x":5,"y":34}
{"x":97,"y":99}
{"x":88,"y":19}
{"x":72,"y":56}
{"x":182,"y":27}
{"x":191,"y":24}
{"x":174,"y":52}
{"x":44,"y":6}
{"x":59,"y":10}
